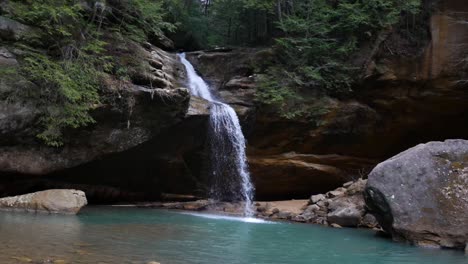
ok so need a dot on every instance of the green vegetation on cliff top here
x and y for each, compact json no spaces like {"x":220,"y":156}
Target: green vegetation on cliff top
{"x":315,"y":42}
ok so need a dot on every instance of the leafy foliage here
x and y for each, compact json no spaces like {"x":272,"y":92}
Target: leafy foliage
{"x":320,"y":38}
{"x":68,"y":91}
{"x":138,"y":19}
{"x":76,"y":36}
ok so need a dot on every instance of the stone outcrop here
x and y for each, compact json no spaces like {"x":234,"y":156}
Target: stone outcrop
{"x":421,"y":195}
{"x":293,"y":175}
{"x":13,"y":30}
{"x":130,"y":114}
{"x":49,"y":201}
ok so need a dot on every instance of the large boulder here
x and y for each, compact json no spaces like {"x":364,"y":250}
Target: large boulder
{"x":421,"y":195}
{"x":50,"y":201}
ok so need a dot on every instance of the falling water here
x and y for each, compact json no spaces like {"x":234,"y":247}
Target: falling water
{"x":230,"y":176}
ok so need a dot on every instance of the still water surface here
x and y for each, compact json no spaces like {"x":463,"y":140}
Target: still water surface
{"x":132,"y":235}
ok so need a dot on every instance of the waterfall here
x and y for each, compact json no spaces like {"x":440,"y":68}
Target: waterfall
{"x":230,"y":175}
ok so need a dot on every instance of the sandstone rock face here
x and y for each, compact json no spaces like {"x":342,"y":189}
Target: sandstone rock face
{"x":293,"y":175}
{"x":49,"y":201}
{"x":421,"y":195}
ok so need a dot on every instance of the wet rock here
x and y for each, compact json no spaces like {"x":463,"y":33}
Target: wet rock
{"x":313,"y":208}
{"x":321,"y":203}
{"x":369,"y":221}
{"x":421,"y":195}
{"x":347,"y":216}
{"x":299,"y":218}
{"x":198,"y":107}
{"x":356,"y":187}
{"x":316,"y":198}
{"x":50,"y":201}
{"x":284,"y":215}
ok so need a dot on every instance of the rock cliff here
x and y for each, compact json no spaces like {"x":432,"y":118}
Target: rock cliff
{"x":149,"y":137}
{"x":409,"y":94}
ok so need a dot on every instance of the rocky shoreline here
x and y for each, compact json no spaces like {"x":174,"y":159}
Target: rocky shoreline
{"x":343,"y":207}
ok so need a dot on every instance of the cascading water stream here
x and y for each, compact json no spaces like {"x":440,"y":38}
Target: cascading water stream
{"x":230,"y":175}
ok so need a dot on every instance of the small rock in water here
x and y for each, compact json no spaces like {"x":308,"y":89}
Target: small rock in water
{"x":347,"y":216}
{"x":299,"y":218}
{"x":369,"y":221}
{"x":275,"y":211}
{"x":336,"y":225}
